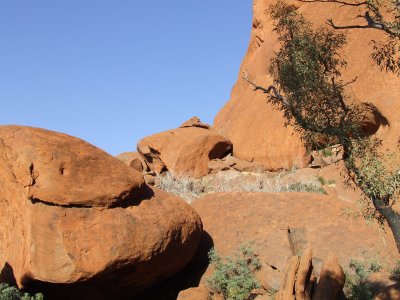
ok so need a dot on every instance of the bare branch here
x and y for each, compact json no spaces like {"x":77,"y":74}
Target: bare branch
{"x":267,"y":90}
{"x":336,"y":1}
{"x":304,"y":124}
{"x":370,"y":24}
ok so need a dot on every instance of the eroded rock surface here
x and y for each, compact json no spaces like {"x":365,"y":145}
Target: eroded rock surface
{"x":134,"y":160}
{"x":257,"y":129}
{"x":185,"y":151}
{"x":71,"y":213}
{"x":284,"y":224}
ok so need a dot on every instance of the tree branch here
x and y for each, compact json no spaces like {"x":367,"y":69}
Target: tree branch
{"x":306,"y":125}
{"x":336,"y":1}
{"x":370,"y":24}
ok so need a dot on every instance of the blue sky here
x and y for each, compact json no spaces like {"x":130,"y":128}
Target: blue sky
{"x":113,"y":72}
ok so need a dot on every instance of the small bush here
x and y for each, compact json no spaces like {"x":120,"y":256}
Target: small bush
{"x":356,"y":279}
{"x":234,"y":275}
{"x":12,"y":293}
{"x":189,"y":189}
{"x":303,"y":187}
{"x":183,"y":187}
{"x":327,"y":152}
{"x":323,"y":181}
{"x":395,"y":272}
{"x":275,"y":184}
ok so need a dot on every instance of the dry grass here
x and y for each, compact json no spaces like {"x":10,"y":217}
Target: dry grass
{"x":183,"y":187}
{"x":276,"y":184}
{"x":189,"y":189}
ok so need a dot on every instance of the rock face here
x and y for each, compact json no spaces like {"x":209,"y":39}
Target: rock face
{"x":284,"y":224}
{"x":195,"y":122}
{"x":390,"y":293}
{"x":331,"y":282}
{"x":134,"y":160}
{"x":257,"y":129}
{"x":300,"y":282}
{"x":199,"y":293}
{"x":72,"y":213}
{"x":231,"y":162}
{"x":184,"y":151}
{"x":62,"y":170}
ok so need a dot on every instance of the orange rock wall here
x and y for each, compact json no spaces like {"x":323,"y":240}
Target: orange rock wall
{"x":257,"y":130}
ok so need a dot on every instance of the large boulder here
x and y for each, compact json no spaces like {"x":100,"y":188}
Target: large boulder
{"x":134,"y":160}
{"x":285,"y":224}
{"x":71,"y":213}
{"x":185,"y":151}
{"x":390,"y":293}
{"x":257,"y":129}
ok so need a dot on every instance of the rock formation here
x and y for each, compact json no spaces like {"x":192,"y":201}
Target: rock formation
{"x":134,"y":160}
{"x":257,"y":129}
{"x":184,"y":151}
{"x":71,"y":213}
{"x":285,"y":224}
{"x":300,"y":282}
{"x":391,"y":292}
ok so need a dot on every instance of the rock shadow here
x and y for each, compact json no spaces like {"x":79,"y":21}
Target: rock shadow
{"x":104,"y":289}
{"x":145,"y":193}
{"x":189,"y":277}
{"x":7,"y":275}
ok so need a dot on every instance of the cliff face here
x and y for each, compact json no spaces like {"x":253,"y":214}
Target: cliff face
{"x":257,"y":129}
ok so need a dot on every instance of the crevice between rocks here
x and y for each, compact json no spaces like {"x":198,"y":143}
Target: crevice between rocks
{"x":134,"y":198}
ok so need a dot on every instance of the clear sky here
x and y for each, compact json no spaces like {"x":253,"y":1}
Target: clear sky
{"x":114,"y":71}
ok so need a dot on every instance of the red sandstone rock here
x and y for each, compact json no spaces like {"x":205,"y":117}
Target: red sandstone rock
{"x":331,"y":281}
{"x":72,"y":213}
{"x":194,"y":122}
{"x":247,"y":166}
{"x":197,"y":293}
{"x":183,"y":151}
{"x":290,"y":279}
{"x":63,"y":170}
{"x":217,"y":165}
{"x":390,"y":293}
{"x":303,"y":275}
{"x":257,"y":129}
{"x":314,"y":220}
{"x":134,"y":160}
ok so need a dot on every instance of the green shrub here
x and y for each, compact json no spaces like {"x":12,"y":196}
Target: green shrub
{"x":323,"y":181}
{"x":8,"y":292}
{"x":327,"y":152}
{"x":234,"y":275}
{"x":356,"y":279}
{"x":395,"y":272}
{"x":303,"y":187}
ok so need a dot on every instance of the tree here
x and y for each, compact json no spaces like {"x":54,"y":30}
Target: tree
{"x":308,"y":89}
{"x":382,"y":15}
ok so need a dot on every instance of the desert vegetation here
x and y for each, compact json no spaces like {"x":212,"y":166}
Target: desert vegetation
{"x":190,"y":189}
{"x":8,"y":292}
{"x":382,"y":15}
{"x":309,"y":90}
{"x":233,"y":276}
{"x":357,"y":284}
{"x":285,"y":168}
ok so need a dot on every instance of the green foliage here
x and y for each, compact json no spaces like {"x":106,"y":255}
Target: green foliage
{"x":375,"y":175}
{"x":307,"y":71}
{"x":395,"y":272}
{"x":386,"y":14}
{"x":12,"y":293}
{"x":234,"y":275}
{"x":356,"y":279}
{"x":309,"y":188}
{"x":327,"y":152}
{"x":323,"y":181}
